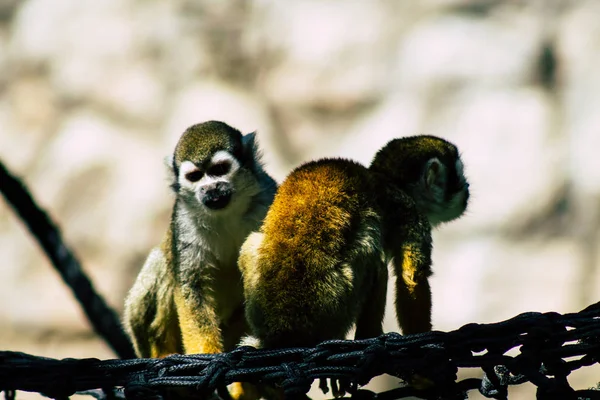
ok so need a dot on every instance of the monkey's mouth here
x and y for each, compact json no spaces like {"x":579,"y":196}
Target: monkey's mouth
{"x":216,"y":200}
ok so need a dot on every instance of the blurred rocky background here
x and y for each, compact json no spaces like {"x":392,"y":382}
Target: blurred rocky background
{"x":93,"y":95}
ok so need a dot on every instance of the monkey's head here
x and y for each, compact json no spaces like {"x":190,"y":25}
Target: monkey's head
{"x":214,"y":168}
{"x":430,"y":170}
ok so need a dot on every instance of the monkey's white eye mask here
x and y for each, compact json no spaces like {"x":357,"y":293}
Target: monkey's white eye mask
{"x":211,"y":185}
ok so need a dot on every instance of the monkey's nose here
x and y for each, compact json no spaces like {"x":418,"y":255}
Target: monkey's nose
{"x":216,"y":199}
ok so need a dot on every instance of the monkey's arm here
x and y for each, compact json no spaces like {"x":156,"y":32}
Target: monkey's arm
{"x":149,"y":317}
{"x":413,"y":294}
{"x":198,"y":320}
{"x":412,"y":266}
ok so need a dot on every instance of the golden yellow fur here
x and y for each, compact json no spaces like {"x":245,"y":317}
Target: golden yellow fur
{"x":318,"y":264}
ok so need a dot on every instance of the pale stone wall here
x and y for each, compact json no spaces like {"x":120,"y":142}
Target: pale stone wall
{"x":93,"y":95}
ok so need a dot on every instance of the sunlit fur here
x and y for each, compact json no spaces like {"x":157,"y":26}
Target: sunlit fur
{"x":318,"y":264}
{"x":188,"y":296}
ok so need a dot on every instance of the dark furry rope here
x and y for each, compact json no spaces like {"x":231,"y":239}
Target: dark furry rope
{"x":104,"y":320}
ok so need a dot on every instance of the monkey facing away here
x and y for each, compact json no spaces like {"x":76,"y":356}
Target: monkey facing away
{"x":319,"y":263}
{"x":188,"y":296}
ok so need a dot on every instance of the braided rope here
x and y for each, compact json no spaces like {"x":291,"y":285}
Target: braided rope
{"x":550,"y":347}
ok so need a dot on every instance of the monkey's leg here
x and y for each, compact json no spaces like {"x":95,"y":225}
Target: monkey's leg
{"x":370,"y":318}
{"x":164,"y":335}
{"x":147,"y":312}
{"x":233,"y":331}
{"x":371,"y":311}
{"x":136,"y":323}
{"x":168,"y":340}
{"x":198,"y":321}
{"x":413,"y":294}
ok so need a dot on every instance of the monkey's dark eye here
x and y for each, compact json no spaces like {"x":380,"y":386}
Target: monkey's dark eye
{"x":193,"y":176}
{"x":219,"y":169}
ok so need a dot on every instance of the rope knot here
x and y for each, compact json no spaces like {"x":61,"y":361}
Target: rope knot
{"x":374,"y":362}
{"x":296,"y":381}
{"x":138,"y":389}
{"x":496,"y":380}
{"x":219,"y":366}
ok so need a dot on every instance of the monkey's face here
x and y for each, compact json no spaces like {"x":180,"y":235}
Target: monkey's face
{"x":219,"y":185}
{"x":443,"y":192}
{"x":212,"y":169}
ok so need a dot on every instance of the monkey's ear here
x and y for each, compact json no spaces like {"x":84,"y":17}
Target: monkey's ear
{"x":250,"y":149}
{"x":249,"y":141}
{"x":172,"y":173}
{"x":435,"y":177}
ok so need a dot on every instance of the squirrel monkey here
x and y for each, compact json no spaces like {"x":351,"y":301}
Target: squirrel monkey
{"x":318,"y":265}
{"x":431,"y":172}
{"x":188,"y":296}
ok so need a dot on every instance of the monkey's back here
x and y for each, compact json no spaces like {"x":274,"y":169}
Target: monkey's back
{"x":310,"y":270}
{"x":314,"y":211}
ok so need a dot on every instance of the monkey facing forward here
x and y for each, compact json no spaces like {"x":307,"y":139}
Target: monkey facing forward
{"x":318,"y":265}
{"x":188,"y":296}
